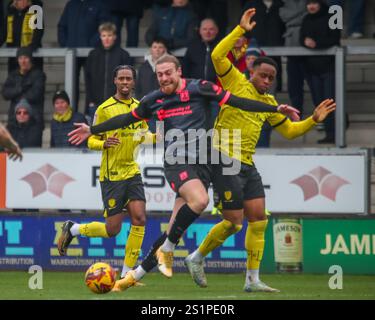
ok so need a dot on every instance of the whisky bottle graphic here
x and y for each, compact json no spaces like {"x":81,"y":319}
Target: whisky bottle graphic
{"x":287,"y":233}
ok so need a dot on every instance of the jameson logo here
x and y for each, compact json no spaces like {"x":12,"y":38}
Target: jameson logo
{"x":287,"y":228}
{"x":353,"y":245}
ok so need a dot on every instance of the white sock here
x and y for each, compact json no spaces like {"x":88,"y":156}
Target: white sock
{"x":252,"y":276}
{"x":168,"y":246}
{"x":139,"y":273}
{"x":125,"y":269}
{"x":196,"y":256}
{"x":74,"y":230}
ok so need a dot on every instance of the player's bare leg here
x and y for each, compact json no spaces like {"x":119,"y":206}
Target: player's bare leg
{"x":196,"y":197}
{"x":255,"y":213}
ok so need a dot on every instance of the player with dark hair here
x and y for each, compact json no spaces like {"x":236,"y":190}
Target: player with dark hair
{"x":120,"y":177}
{"x":8,"y":143}
{"x":243,"y":194}
{"x":181,"y":104}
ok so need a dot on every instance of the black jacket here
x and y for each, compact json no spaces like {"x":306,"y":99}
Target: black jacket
{"x":18,"y":19}
{"x":79,"y":22}
{"x":28,"y":135}
{"x":60,"y":130}
{"x":99,"y":72}
{"x":30,"y":86}
{"x":270,"y":28}
{"x":197,"y":63}
{"x":126,"y":7}
{"x":316,"y":27}
{"x":146,"y":80}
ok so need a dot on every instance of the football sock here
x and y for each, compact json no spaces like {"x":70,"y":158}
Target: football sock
{"x":254,"y":243}
{"x":74,"y":230}
{"x":184,"y":218}
{"x":125,"y":269}
{"x":139,"y":273}
{"x":133,"y":245}
{"x":252,"y":276}
{"x":93,"y":229}
{"x":150,"y":260}
{"x":217,"y":235}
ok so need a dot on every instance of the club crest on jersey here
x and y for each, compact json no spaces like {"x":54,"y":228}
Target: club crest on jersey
{"x":228,"y":195}
{"x":184,"y":96}
{"x":112,"y":203}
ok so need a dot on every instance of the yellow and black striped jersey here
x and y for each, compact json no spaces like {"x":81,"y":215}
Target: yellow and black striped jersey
{"x":118,"y":163}
{"x":242,"y":128}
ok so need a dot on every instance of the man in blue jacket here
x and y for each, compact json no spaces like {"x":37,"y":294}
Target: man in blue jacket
{"x":78,"y":27}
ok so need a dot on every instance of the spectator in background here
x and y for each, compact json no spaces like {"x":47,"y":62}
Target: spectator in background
{"x":26,"y":82}
{"x":132,"y":12}
{"x":253,"y":52}
{"x":99,"y":68}
{"x":356,"y":16}
{"x":78,"y":27}
{"x":197,"y":63}
{"x":26,"y":130}
{"x":292,"y":14}
{"x":18,"y":33}
{"x":63,"y":121}
{"x":215,"y":9}
{"x":2,"y":22}
{"x":270,"y":28}
{"x":146,"y":79}
{"x":176,"y":23}
{"x":316,"y":34}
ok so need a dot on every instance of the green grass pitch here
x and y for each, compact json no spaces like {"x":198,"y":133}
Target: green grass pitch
{"x":70,"y":285}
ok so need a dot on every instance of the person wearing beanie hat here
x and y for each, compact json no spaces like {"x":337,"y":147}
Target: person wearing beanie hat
{"x":25,"y":82}
{"x":26,"y":131}
{"x":61,"y":94}
{"x":63,"y":120}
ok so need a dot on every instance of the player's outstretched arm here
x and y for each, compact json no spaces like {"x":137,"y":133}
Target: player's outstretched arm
{"x":83,"y":131}
{"x":256,"y":106}
{"x":213,"y":92}
{"x":291,"y":130}
{"x":11,"y":146}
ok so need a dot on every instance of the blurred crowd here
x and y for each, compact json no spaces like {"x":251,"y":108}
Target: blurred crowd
{"x":196,"y":25}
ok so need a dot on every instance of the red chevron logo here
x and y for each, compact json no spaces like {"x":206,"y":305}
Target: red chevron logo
{"x":47,"y":178}
{"x":320,"y":181}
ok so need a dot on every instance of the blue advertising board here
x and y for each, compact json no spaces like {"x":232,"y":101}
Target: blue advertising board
{"x":27,"y":240}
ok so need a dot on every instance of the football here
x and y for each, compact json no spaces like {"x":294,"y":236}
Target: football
{"x":100,"y":277}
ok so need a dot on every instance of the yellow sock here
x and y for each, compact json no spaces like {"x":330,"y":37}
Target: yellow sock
{"x":254,"y":243}
{"x":217,"y":235}
{"x":93,"y":229}
{"x":133,"y":245}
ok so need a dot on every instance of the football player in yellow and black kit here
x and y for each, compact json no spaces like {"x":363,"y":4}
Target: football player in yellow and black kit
{"x":243,"y":194}
{"x":120,"y":177}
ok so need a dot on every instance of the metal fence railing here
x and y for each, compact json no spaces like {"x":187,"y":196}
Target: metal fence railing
{"x":339,"y":53}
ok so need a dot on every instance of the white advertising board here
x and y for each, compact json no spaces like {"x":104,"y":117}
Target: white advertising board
{"x":306,"y":183}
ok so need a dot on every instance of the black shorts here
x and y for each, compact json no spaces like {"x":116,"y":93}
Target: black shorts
{"x":117,"y":194}
{"x":178,"y":174}
{"x":234,"y":189}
